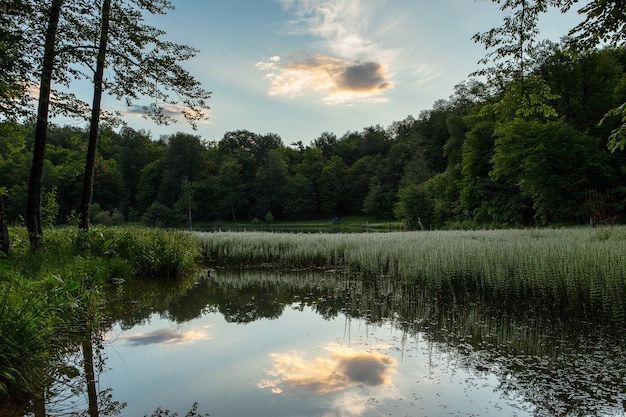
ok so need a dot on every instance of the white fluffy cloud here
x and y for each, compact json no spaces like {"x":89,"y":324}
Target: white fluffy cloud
{"x":348,"y":64}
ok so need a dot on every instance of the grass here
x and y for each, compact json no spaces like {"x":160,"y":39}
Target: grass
{"x":575,"y":273}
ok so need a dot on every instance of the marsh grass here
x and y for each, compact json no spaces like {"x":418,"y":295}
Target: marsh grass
{"x":562,"y":274}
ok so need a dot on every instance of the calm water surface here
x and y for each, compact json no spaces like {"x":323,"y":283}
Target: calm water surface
{"x":321,"y":344}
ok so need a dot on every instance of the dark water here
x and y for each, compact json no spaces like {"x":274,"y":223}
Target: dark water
{"x":263,"y":343}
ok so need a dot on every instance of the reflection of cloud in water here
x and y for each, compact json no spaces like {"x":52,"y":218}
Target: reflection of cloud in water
{"x":343,"y":369}
{"x":169,"y":337}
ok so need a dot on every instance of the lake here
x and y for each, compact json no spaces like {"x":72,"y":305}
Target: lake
{"x":325,"y":343}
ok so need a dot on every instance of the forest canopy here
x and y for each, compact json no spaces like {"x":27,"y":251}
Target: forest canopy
{"x":469,"y":160}
{"x":533,"y":138}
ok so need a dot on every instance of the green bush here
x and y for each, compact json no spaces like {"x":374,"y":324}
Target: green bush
{"x":159,"y":215}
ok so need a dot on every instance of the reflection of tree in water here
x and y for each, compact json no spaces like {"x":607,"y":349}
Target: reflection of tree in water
{"x":136,"y":300}
{"x":247,"y":296}
{"x":72,"y":388}
{"x":562,"y":368}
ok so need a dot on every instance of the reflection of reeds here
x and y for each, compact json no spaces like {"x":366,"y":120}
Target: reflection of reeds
{"x":565,"y":273}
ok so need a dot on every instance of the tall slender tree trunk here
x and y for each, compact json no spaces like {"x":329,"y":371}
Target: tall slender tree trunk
{"x":33,"y":202}
{"x":94,"y":127}
{"x":90,"y":376}
{"x":5,"y":239}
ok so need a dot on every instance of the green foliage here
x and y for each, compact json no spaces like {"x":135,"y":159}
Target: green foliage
{"x":25,"y":326}
{"x":617,"y":139}
{"x":49,"y":208}
{"x":530,"y":97}
{"x":45,"y":293}
{"x":160,"y":215}
{"x":106,"y":218}
{"x":551,"y":163}
{"x":415,"y":207}
{"x":247,"y":175}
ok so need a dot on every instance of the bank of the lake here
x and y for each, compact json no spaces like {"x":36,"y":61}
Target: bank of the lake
{"x":53,"y":296}
{"x":53,"y":299}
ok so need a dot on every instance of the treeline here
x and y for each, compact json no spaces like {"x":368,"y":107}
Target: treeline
{"x":476,"y":158}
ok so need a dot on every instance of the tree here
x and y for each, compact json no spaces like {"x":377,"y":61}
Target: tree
{"x":270,"y":185}
{"x":94,"y":125}
{"x":605,"y":23}
{"x":5,"y":240}
{"x":134,"y":150}
{"x":13,"y":167}
{"x":15,"y":65}
{"x":301,"y":199}
{"x":512,"y":43}
{"x":33,"y":203}
{"x":326,"y":143}
{"x":137,"y":71}
{"x":332,"y":186}
{"x":553,"y":164}
{"x":230,"y":191}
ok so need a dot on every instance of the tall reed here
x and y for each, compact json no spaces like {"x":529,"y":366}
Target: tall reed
{"x":568,"y":273}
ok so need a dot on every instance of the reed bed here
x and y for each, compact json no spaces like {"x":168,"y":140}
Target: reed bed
{"x":574,"y":273}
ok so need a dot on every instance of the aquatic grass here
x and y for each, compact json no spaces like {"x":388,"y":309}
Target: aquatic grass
{"x":574,"y":273}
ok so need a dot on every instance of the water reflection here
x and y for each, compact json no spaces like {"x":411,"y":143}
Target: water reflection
{"x":343,"y":368}
{"x":168,"y":336}
{"x":324,"y":343}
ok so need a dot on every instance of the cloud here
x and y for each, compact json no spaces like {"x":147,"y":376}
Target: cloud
{"x":166,"y":114}
{"x":341,"y":370}
{"x":338,"y":80}
{"x":168,"y":337}
{"x":173,"y":112}
{"x":343,"y":26}
{"x":349,"y":64}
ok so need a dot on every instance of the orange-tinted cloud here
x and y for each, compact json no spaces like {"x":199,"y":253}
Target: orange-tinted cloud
{"x":342,"y":369}
{"x":338,"y":80}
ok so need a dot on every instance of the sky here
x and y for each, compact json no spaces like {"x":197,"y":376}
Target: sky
{"x":298,"y":68}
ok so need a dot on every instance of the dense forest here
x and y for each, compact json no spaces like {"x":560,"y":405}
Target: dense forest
{"x":468,"y":161}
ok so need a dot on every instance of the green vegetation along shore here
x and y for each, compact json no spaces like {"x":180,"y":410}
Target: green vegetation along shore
{"x":568,"y":276}
{"x":56,"y":292}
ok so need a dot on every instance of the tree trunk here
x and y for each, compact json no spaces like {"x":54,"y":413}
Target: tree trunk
{"x":5,"y":239}
{"x":90,"y":376}
{"x":94,"y":127}
{"x":33,"y":202}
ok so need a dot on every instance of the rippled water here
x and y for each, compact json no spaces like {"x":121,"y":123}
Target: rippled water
{"x":262,"y":343}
